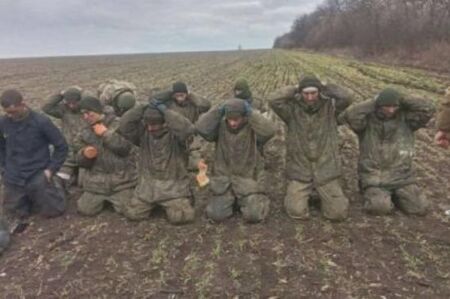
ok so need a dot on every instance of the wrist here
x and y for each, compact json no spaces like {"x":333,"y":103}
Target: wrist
{"x":161,"y":107}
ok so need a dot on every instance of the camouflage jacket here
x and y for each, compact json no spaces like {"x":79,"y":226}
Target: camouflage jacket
{"x":257,"y":103}
{"x":109,"y":91}
{"x":236,"y":153}
{"x":386,"y":147}
{"x":195,"y":105}
{"x":72,"y":122}
{"x":114,"y":168}
{"x":162,"y":161}
{"x":312,"y":135}
{"x":443,"y":118}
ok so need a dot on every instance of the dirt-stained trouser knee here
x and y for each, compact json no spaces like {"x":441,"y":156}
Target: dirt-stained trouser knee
{"x":334,"y":204}
{"x":377,"y":201}
{"x":254,"y":207}
{"x":179,"y":211}
{"x":411,"y":200}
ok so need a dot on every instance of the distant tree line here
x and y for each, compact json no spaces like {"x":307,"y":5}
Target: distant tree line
{"x":372,"y":26}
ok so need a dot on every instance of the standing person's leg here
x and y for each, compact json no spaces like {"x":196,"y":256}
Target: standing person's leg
{"x":411,"y":200}
{"x":333,"y":202}
{"x":296,"y":199}
{"x":377,"y":201}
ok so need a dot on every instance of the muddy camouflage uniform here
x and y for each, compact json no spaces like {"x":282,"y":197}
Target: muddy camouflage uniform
{"x":443,"y":117}
{"x":386,"y":148}
{"x":112,"y":175}
{"x":247,"y":95}
{"x":234,"y":177}
{"x":72,"y":124}
{"x":194,"y":106}
{"x":312,"y":150}
{"x":163,"y":177}
{"x":109,"y":93}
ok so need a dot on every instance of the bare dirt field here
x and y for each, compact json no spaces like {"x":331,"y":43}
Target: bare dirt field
{"x":109,"y":257}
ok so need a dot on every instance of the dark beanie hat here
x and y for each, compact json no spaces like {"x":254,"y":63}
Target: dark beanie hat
{"x":309,"y":81}
{"x":72,"y":94}
{"x":10,"y":97}
{"x":91,"y":103}
{"x":179,"y":87}
{"x":234,"y":107}
{"x":388,"y":97}
{"x":153,"y":116}
{"x":242,"y":85}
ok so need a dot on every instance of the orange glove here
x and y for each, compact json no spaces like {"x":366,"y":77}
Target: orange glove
{"x":90,"y":152}
{"x":202,"y":178}
{"x":99,"y":129}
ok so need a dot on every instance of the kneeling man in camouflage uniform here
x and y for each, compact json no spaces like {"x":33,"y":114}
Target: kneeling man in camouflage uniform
{"x":385,"y":127}
{"x":162,"y":136}
{"x":238,"y":133}
{"x":109,"y":160}
{"x":310,"y":112}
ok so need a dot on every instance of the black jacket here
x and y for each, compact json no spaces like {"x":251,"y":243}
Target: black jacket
{"x":25,"y":147}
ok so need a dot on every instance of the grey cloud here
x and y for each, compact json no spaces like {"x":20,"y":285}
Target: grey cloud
{"x":70,"y":27}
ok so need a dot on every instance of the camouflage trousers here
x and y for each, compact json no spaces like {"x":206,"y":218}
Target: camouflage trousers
{"x":333,"y":203}
{"x":409,"y":199}
{"x":38,"y":195}
{"x":254,"y":207}
{"x":178,"y":210}
{"x":90,"y":204}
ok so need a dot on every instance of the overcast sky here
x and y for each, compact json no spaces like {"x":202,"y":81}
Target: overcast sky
{"x":72,"y":27}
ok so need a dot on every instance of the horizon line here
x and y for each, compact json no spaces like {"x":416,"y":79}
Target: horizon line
{"x":130,"y":53}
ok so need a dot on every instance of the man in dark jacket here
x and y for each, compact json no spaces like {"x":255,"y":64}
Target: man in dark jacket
{"x":385,"y":127}
{"x":238,"y":133}
{"x":26,"y":162}
{"x":310,"y":112}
